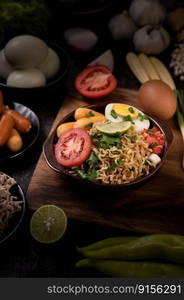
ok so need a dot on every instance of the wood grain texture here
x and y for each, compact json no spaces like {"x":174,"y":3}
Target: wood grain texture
{"x":155,"y":207}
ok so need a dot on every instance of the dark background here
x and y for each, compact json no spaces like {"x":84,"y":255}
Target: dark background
{"x":21,"y":256}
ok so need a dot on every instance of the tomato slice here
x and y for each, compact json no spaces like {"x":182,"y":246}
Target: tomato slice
{"x":95,"y":82}
{"x":155,"y":139}
{"x":73,"y":147}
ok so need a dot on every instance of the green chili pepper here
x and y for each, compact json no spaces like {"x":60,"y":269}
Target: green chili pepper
{"x":106,"y":243}
{"x":133,"y":269}
{"x":151,"y":247}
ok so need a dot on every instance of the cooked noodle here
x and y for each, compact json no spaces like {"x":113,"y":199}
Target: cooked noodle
{"x":129,"y":162}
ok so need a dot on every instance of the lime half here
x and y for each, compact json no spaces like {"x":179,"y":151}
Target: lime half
{"x":114,"y":128}
{"x":48,"y":224}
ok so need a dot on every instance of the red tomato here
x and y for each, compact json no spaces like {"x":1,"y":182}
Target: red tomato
{"x":155,"y":139}
{"x":73,"y":147}
{"x":95,"y":82}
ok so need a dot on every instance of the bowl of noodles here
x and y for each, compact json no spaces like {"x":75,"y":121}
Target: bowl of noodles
{"x":108,"y":145}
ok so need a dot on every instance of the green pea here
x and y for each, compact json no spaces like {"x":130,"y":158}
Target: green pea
{"x":133,"y":269}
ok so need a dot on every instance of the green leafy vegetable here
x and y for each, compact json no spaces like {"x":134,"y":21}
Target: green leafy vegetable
{"x":107,"y":142}
{"x":89,"y":125}
{"x":143,"y":117}
{"x":112,"y":167}
{"x":115,"y":152}
{"x":120,"y":162}
{"x":23,"y":16}
{"x":89,"y":169}
{"x":93,"y":159}
{"x":131,"y":138}
{"x":114,"y":114}
{"x":90,"y":175}
{"x":146,"y":163}
{"x":154,"y":145}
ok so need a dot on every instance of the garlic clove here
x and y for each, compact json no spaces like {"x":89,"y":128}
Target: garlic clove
{"x":151,"y":40}
{"x":122,"y":26}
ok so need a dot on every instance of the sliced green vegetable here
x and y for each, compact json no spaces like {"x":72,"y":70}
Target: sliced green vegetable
{"x":154,"y":145}
{"x":128,"y":118}
{"x":108,"y":142}
{"x":89,"y":125}
{"x":90,"y":114}
{"x":114,"y":114}
{"x":112,"y":167}
{"x":120,"y":162}
{"x":143,"y":117}
{"x":93,"y":159}
{"x":131,"y":110}
{"x":150,"y":132}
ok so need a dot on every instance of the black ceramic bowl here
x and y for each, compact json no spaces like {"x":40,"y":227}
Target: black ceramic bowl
{"x":17,"y":217}
{"x":57,"y":82}
{"x":28,"y":138}
{"x":48,"y":149}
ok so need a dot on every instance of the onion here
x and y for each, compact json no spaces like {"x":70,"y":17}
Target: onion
{"x":106,"y":59}
{"x":81,"y":39}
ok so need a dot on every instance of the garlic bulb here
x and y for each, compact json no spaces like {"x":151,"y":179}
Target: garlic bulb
{"x":151,"y":40}
{"x":145,"y":12}
{"x":81,"y":39}
{"x":106,"y":59}
{"x":122,"y":26}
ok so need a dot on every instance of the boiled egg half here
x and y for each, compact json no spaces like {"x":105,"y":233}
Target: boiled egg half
{"x":118,"y":112}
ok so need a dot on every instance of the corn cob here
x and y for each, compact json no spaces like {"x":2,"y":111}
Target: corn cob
{"x":148,"y":66}
{"x":163,"y":72}
{"x":136,"y":67}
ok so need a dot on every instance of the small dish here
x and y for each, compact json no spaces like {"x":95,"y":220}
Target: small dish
{"x":52,"y":139}
{"x":17,"y":217}
{"x":57,"y":81}
{"x":28,"y":139}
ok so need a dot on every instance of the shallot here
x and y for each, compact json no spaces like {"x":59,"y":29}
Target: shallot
{"x":81,"y":39}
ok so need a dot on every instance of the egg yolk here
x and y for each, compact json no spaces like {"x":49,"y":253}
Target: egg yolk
{"x":125,"y":110}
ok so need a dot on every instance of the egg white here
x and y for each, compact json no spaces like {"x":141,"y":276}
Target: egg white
{"x":108,"y":115}
{"x":141,"y":125}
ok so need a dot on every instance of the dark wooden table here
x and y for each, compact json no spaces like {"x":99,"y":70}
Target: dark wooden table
{"x":21,"y":256}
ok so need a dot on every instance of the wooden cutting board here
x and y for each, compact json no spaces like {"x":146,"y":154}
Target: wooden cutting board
{"x":156,"y":207}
